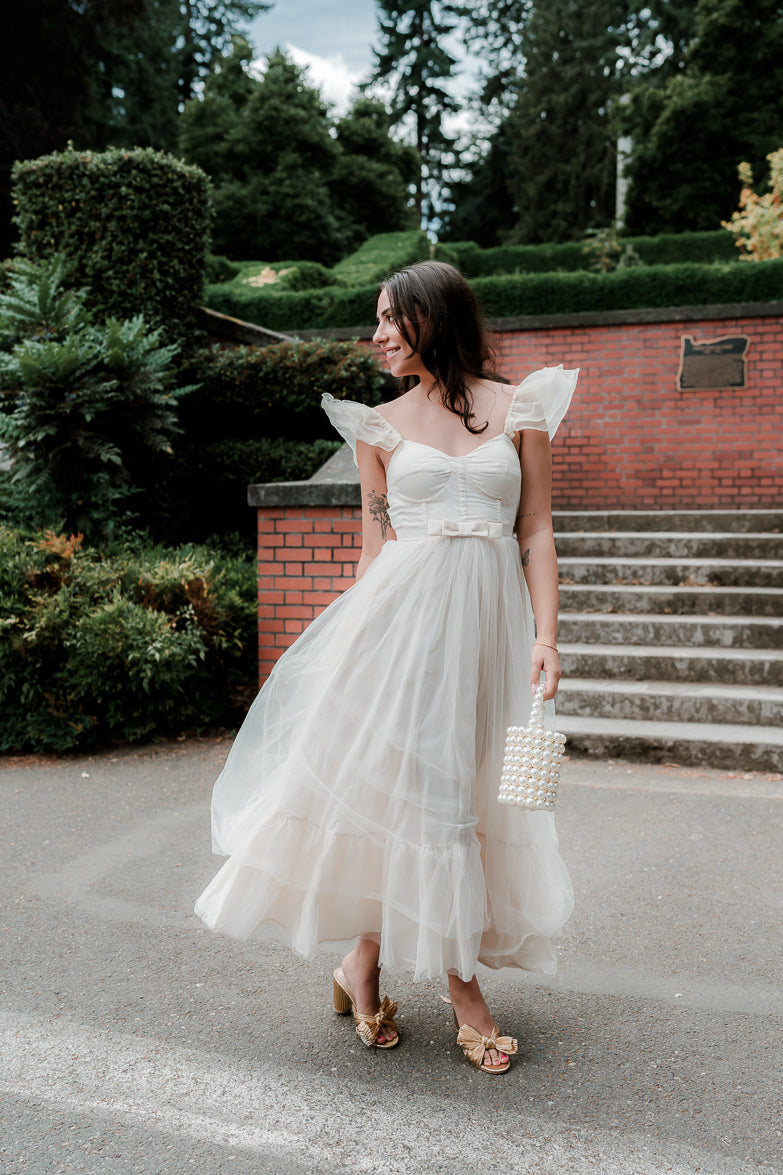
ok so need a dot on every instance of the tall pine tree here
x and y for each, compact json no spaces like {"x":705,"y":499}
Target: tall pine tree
{"x":415,"y":63}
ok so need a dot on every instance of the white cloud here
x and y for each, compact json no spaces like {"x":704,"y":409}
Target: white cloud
{"x":330,"y":74}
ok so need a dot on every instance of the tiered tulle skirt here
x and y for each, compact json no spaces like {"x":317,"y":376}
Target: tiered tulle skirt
{"x":360,"y":795}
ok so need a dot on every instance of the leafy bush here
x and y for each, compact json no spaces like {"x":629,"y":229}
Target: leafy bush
{"x":757,"y":227}
{"x":304,"y":275}
{"x":220,"y":269}
{"x":255,"y":416}
{"x":666,"y":249}
{"x":136,"y":643}
{"x":643,"y":286}
{"x":134,"y":224}
{"x":519,"y":294}
{"x":381,"y":255}
{"x":84,"y":406}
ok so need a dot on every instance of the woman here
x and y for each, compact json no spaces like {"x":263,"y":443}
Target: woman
{"x":358,"y":801}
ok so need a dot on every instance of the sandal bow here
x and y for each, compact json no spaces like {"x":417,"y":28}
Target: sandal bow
{"x":474,"y":1045}
{"x":368,"y":1028}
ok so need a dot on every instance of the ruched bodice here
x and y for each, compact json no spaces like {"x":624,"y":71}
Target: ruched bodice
{"x":435,"y":495}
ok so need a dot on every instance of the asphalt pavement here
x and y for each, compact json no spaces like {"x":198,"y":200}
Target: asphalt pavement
{"x":134,"y":1040}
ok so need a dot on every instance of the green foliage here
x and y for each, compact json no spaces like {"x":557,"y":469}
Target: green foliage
{"x":220,"y":269}
{"x":666,"y":249}
{"x":290,"y":182}
{"x":381,"y":255}
{"x":691,"y":128}
{"x":527,"y":293}
{"x":758,"y":225}
{"x":303,"y":275}
{"x":606,"y":252}
{"x":129,"y":644}
{"x":646,"y":285}
{"x":132,"y":224}
{"x":289,"y":311}
{"x":256,"y":417}
{"x":85,"y":407}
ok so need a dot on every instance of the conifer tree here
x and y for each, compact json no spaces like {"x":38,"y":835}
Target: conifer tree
{"x":414,"y":60}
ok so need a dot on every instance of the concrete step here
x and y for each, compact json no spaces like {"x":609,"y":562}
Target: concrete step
{"x":735,"y":632}
{"x":671,"y":701}
{"x":680,"y":572}
{"x":679,"y":601}
{"x":668,"y":545}
{"x":733,"y":747}
{"x":673,"y":663}
{"x":700,"y":521}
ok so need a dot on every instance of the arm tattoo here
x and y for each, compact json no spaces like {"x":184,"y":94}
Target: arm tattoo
{"x":379,"y":508}
{"x":526,"y":557}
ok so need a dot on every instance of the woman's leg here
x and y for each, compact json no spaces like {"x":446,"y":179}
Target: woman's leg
{"x":471,"y":1008}
{"x":362,"y":972}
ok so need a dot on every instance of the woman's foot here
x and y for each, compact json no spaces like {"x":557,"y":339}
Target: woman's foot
{"x":362,"y":974}
{"x":470,"y":1008}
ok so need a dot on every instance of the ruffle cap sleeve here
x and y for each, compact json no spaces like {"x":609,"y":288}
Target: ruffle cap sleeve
{"x":358,"y":422}
{"x":541,"y":401}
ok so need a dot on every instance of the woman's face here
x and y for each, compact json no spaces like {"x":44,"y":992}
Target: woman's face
{"x":400,"y":356}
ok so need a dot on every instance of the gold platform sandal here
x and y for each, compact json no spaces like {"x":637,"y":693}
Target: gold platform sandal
{"x":368,"y":1028}
{"x":474,"y":1045}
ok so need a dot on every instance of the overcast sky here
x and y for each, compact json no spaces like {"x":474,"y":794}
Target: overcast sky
{"x":334,"y":40}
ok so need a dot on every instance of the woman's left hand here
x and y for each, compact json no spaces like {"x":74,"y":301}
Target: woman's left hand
{"x":545,"y":660}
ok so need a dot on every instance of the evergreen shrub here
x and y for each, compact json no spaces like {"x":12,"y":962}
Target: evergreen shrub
{"x":381,"y":255}
{"x":220,"y":269}
{"x":624,"y":289}
{"x":666,"y":249}
{"x":127,"y":645}
{"x":255,"y":416}
{"x":519,"y":294}
{"x":134,"y":224}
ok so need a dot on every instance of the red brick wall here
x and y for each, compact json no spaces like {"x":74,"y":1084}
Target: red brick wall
{"x":306,"y":556}
{"x":631,"y":440}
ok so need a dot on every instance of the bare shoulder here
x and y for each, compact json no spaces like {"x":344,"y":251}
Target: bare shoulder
{"x":394,"y":410}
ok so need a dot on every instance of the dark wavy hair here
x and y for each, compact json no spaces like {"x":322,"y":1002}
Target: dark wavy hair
{"x":437,"y":314}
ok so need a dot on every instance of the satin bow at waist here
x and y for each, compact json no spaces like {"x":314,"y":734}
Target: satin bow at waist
{"x":464,"y":528}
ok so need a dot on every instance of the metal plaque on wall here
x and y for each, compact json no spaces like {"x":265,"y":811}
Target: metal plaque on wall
{"x":716,"y":363}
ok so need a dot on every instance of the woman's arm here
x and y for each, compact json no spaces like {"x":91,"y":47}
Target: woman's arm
{"x":539,"y":560}
{"x":376,"y":527}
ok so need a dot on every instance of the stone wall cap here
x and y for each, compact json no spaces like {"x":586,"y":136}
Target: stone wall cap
{"x":304,"y":493}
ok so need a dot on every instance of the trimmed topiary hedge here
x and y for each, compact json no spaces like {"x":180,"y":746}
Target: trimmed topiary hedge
{"x":666,"y":249}
{"x":134,"y":225}
{"x":641,"y":287}
{"x":516,"y":295}
{"x":381,"y":255}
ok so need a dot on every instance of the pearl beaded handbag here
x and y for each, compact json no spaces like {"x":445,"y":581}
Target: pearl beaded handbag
{"x":531,"y":763}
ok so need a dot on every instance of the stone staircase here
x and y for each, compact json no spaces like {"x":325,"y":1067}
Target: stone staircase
{"x":671,"y":636}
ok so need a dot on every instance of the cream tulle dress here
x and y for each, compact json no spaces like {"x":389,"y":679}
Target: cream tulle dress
{"x":360,"y":795}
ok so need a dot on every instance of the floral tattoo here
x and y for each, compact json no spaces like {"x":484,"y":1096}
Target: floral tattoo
{"x":379,"y":508}
{"x":526,"y":557}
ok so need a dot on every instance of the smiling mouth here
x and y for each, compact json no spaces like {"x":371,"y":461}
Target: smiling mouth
{"x":392,"y":351}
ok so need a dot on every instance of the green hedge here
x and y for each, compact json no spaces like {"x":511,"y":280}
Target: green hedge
{"x":381,"y":255}
{"x":625,"y":289}
{"x":126,"y":645}
{"x":134,"y":224}
{"x":666,"y":249}
{"x":255,"y":416}
{"x":522,"y":294}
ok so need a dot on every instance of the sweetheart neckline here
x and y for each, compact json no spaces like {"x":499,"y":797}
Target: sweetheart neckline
{"x":450,"y":456}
